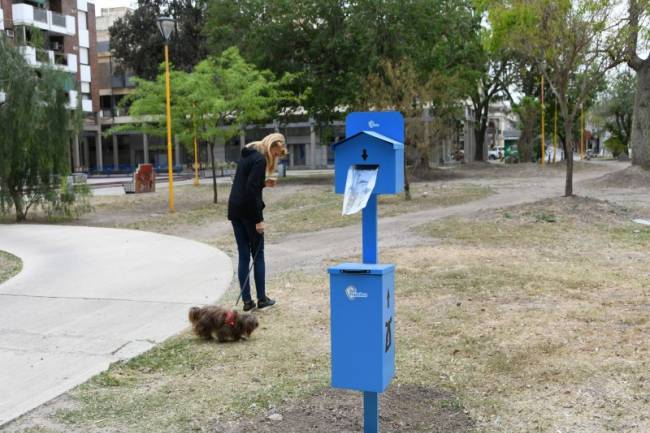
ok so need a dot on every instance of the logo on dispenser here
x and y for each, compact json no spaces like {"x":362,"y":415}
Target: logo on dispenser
{"x":373,"y":124}
{"x":352,"y":293}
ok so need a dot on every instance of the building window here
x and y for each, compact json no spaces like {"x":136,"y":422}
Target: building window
{"x":85,"y":87}
{"x":83,"y":56}
{"x":83,"y":20}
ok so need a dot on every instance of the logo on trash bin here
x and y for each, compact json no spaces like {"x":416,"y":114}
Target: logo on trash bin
{"x":352,"y":293}
{"x":373,"y":124}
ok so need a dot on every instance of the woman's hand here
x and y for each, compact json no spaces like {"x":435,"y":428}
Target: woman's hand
{"x":260,"y":227}
{"x":270,"y":182}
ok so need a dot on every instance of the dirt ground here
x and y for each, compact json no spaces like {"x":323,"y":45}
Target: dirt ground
{"x":631,"y":177}
{"x":403,"y":409}
{"x":518,"y":311}
{"x":297,"y":205}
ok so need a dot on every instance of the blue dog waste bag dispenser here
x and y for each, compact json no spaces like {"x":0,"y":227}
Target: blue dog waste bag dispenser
{"x":362,"y":326}
{"x":374,"y":139}
{"x":362,"y":295}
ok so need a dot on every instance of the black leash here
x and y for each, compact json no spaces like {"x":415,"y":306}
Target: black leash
{"x":250,"y":270}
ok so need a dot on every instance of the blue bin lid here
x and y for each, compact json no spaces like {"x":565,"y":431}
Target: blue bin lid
{"x":361,"y":268}
{"x":388,"y":140}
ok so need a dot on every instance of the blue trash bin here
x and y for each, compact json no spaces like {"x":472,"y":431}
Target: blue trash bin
{"x":362,"y":302}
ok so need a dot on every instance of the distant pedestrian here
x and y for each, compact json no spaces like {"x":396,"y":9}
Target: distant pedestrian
{"x":255,"y":170}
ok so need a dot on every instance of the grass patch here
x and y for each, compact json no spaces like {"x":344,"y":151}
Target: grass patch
{"x":10,"y":265}
{"x":526,"y":308}
{"x":531,"y":330}
{"x":186,"y":384}
{"x":318,"y":208}
{"x":150,"y":212}
{"x":38,"y":429}
{"x":298,"y":204}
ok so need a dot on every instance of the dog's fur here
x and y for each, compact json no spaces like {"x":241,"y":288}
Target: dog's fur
{"x":210,"y":323}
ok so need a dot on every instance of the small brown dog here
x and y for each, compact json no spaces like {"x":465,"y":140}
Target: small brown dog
{"x":217,"y":323}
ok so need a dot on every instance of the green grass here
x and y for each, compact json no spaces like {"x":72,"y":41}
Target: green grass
{"x":10,"y":265}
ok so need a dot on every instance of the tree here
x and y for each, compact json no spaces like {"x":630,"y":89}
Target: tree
{"x":572,"y":43}
{"x":398,"y":87}
{"x":492,"y":87}
{"x":137,"y":44}
{"x":216,"y":100}
{"x":334,"y":45}
{"x":35,"y":136}
{"x":639,"y":10}
{"x":308,"y":38}
{"x":615,"y":109}
{"x":528,"y":111}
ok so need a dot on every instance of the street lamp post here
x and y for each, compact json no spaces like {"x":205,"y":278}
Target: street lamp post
{"x":196,"y":149}
{"x":166,"y":27}
{"x":542,"y":142}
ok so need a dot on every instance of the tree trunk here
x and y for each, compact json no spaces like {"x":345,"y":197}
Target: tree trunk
{"x":215,"y":195}
{"x":568,"y":132}
{"x":21,"y":211}
{"x":640,"y":140}
{"x":407,"y":185}
{"x":479,"y":139}
{"x":481,"y":118}
{"x":423,"y":161}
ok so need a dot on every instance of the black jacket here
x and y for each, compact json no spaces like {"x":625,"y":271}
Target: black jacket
{"x":245,"y":200}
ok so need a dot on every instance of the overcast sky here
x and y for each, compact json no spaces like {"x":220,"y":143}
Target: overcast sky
{"x":99,"y":4}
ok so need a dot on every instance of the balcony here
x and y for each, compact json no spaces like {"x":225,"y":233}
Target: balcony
{"x":115,"y":112}
{"x":61,"y":61}
{"x":65,"y":62}
{"x":25,"y":14}
{"x":119,"y":81}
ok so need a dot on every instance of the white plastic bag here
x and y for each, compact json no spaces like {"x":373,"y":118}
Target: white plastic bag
{"x":358,"y":187}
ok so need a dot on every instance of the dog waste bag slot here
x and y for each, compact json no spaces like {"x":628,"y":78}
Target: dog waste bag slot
{"x":362,"y":326}
{"x":359,"y":185}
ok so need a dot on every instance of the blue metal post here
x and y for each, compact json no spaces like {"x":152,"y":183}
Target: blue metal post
{"x":370,"y":255}
{"x":369,"y":230}
{"x":370,"y":412}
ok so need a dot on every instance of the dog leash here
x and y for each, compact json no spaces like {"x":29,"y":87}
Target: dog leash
{"x":250,"y":270}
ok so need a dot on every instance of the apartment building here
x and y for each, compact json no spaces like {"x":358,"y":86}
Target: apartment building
{"x":501,"y":127}
{"x":59,"y":33}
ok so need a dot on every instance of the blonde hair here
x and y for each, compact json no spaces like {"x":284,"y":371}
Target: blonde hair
{"x":264,"y":147}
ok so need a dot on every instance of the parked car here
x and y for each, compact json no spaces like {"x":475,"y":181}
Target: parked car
{"x":493,"y":154}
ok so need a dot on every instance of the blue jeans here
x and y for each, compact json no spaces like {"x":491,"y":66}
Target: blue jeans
{"x":249,"y":243}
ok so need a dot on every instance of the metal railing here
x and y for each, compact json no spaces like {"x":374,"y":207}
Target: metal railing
{"x":60,"y":59}
{"x":58,"y":19}
{"x":118,"y":81}
{"x":115,"y":112}
{"x":40,"y":15}
{"x":42,"y":56}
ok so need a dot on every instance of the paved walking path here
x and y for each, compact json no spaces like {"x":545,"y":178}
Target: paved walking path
{"x":87,"y":297}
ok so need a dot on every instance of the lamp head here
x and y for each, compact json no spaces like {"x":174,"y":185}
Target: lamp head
{"x":166,"y":27}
